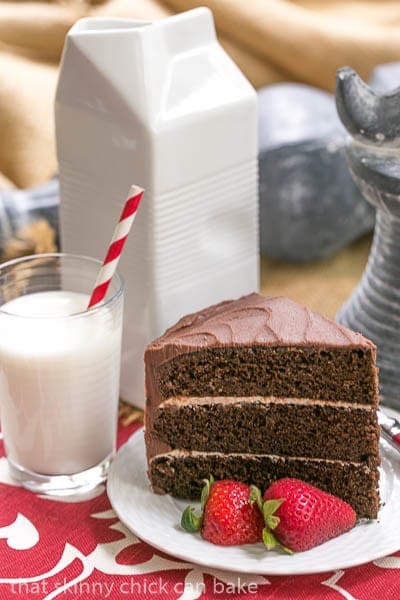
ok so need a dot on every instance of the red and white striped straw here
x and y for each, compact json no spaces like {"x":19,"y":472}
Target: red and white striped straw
{"x":116,"y":246}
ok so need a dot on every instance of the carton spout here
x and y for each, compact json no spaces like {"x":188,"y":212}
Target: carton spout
{"x":187,"y":31}
{"x":104,"y":25}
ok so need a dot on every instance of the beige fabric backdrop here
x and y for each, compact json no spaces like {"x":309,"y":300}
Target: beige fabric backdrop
{"x":271,"y":40}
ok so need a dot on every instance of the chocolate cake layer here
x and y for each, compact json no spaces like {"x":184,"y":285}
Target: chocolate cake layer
{"x":344,"y":374}
{"x":288,"y":427}
{"x":181,"y":473}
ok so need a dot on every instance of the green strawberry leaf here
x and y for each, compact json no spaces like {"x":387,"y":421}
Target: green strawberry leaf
{"x":191,"y":522}
{"x":271,"y":506}
{"x":205,"y":492}
{"x":269,"y":539}
{"x":255,"y":496}
{"x":271,"y":542}
{"x":272,"y":521}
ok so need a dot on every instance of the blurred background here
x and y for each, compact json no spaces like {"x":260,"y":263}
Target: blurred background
{"x":315,"y":227}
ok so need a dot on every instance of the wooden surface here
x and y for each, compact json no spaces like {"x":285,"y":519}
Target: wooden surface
{"x":322,"y":286}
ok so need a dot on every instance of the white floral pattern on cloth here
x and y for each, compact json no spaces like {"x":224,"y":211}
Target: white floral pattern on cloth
{"x":104,"y":559}
{"x":78,"y":549}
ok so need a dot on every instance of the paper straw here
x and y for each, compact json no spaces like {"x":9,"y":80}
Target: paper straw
{"x":116,"y":246}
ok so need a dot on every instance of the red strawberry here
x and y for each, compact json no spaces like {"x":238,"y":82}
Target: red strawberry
{"x":303,"y":516}
{"x":228,"y":518}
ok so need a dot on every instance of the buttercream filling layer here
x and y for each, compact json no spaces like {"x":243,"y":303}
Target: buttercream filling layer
{"x":181,"y":401}
{"x":179,"y":453}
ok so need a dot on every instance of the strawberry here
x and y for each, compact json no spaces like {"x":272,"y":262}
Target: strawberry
{"x":302,"y":516}
{"x":228,"y":518}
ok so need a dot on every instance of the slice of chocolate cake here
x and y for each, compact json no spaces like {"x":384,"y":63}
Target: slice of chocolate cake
{"x":261,"y":388}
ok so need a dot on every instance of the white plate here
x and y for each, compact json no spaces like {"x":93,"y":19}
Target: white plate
{"x":156,"y":520}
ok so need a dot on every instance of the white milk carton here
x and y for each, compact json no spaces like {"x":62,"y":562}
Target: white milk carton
{"x":159,"y":104}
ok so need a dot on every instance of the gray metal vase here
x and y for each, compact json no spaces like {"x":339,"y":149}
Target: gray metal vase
{"x":373,"y":155}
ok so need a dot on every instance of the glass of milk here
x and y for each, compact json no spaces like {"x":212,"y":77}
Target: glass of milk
{"x":59,"y":372}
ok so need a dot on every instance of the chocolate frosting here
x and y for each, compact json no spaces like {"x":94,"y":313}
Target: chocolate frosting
{"x":256,"y":319}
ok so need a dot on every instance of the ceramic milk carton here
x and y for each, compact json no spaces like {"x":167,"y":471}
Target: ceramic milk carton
{"x":163,"y":106}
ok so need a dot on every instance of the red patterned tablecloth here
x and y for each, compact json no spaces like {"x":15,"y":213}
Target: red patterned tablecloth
{"x":57,"y":549}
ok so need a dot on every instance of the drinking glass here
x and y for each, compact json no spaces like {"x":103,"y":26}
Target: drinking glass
{"x":59,"y":372}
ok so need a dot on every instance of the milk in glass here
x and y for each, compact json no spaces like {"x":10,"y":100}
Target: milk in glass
{"x":59,"y":381}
